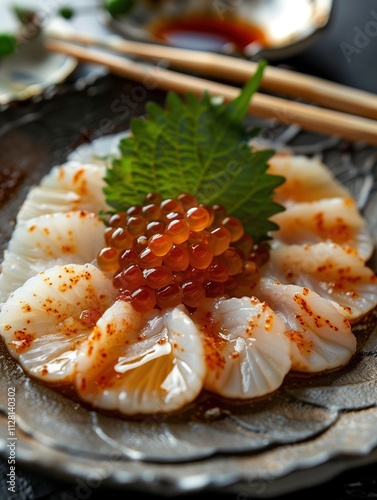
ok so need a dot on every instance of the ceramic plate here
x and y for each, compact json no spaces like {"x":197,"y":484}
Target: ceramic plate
{"x":303,"y":434}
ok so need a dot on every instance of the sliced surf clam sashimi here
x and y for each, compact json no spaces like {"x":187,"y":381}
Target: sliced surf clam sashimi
{"x":332,"y":219}
{"x":334,"y":272}
{"x":71,"y":186}
{"x":48,"y":240}
{"x":321,"y":337}
{"x":246,"y":350}
{"x":44,"y":321}
{"x":306,"y":179}
{"x":141,"y":363}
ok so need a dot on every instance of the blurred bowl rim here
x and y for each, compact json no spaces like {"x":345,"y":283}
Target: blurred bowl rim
{"x":320,"y":20}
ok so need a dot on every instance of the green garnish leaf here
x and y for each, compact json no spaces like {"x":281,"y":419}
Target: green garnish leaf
{"x":197,"y":146}
{"x":238,"y":107}
{"x":8,"y":44}
{"x":66,"y":12}
{"x":118,"y":7}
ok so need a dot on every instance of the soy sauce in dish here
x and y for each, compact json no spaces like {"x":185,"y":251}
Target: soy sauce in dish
{"x":207,"y":33}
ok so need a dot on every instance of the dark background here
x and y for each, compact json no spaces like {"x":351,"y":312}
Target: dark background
{"x":326,"y":57}
{"x":329,"y":56}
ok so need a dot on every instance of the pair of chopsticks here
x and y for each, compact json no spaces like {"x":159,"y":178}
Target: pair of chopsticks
{"x":334,"y":109}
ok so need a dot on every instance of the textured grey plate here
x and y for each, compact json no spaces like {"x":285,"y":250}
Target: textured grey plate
{"x":302,"y":435}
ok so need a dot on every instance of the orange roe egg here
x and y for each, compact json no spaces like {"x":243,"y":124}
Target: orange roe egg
{"x":127,"y":258}
{"x":250,"y":274}
{"x":151,"y":212}
{"x":88,"y":318}
{"x":196,"y":274}
{"x":158,"y":277}
{"x":147,"y":259}
{"x":193,"y":293}
{"x":176,"y":207}
{"x":155,"y":227}
{"x":169,"y":296}
{"x":260,"y":254}
{"x":220,"y":213}
{"x":172,"y":205}
{"x":211,"y":214}
{"x":220,"y":240}
{"x":179,"y":276}
{"x":177,"y":259}
{"x":140,"y":243}
{"x":134,"y":211}
{"x":245,"y":244}
{"x":234,"y":226}
{"x":197,"y":218}
{"x":154,"y":198}
{"x":178,"y":231}
{"x":231,"y":284}
{"x":213,"y":289}
{"x":170,"y":216}
{"x":200,"y":255}
{"x":129,"y":279}
{"x":118,"y":220}
{"x":136,"y":225}
{"x":160,"y":244}
{"x":199,"y":237}
{"x":107,"y":259}
{"x":143,"y":299}
{"x":121,"y":239}
{"x":232,"y":261}
{"x":108,"y":233}
{"x":187,"y":200}
{"x":217,"y":272}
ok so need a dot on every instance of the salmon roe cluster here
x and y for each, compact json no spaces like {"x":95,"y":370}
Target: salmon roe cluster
{"x":167,"y":252}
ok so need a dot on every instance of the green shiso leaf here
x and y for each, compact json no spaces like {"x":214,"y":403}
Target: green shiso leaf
{"x":196,"y":146}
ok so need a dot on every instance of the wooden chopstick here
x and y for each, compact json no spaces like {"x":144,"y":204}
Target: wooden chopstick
{"x":313,"y":118}
{"x":275,"y":79}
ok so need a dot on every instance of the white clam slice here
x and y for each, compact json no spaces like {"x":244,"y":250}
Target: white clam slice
{"x":307,"y":179}
{"x":44,"y":321}
{"x":334,"y":272}
{"x":333,"y":219}
{"x":246,"y":350}
{"x":100,"y":151}
{"x":48,"y":240}
{"x":321,"y":337}
{"x":141,"y":363}
{"x":69,"y":187}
